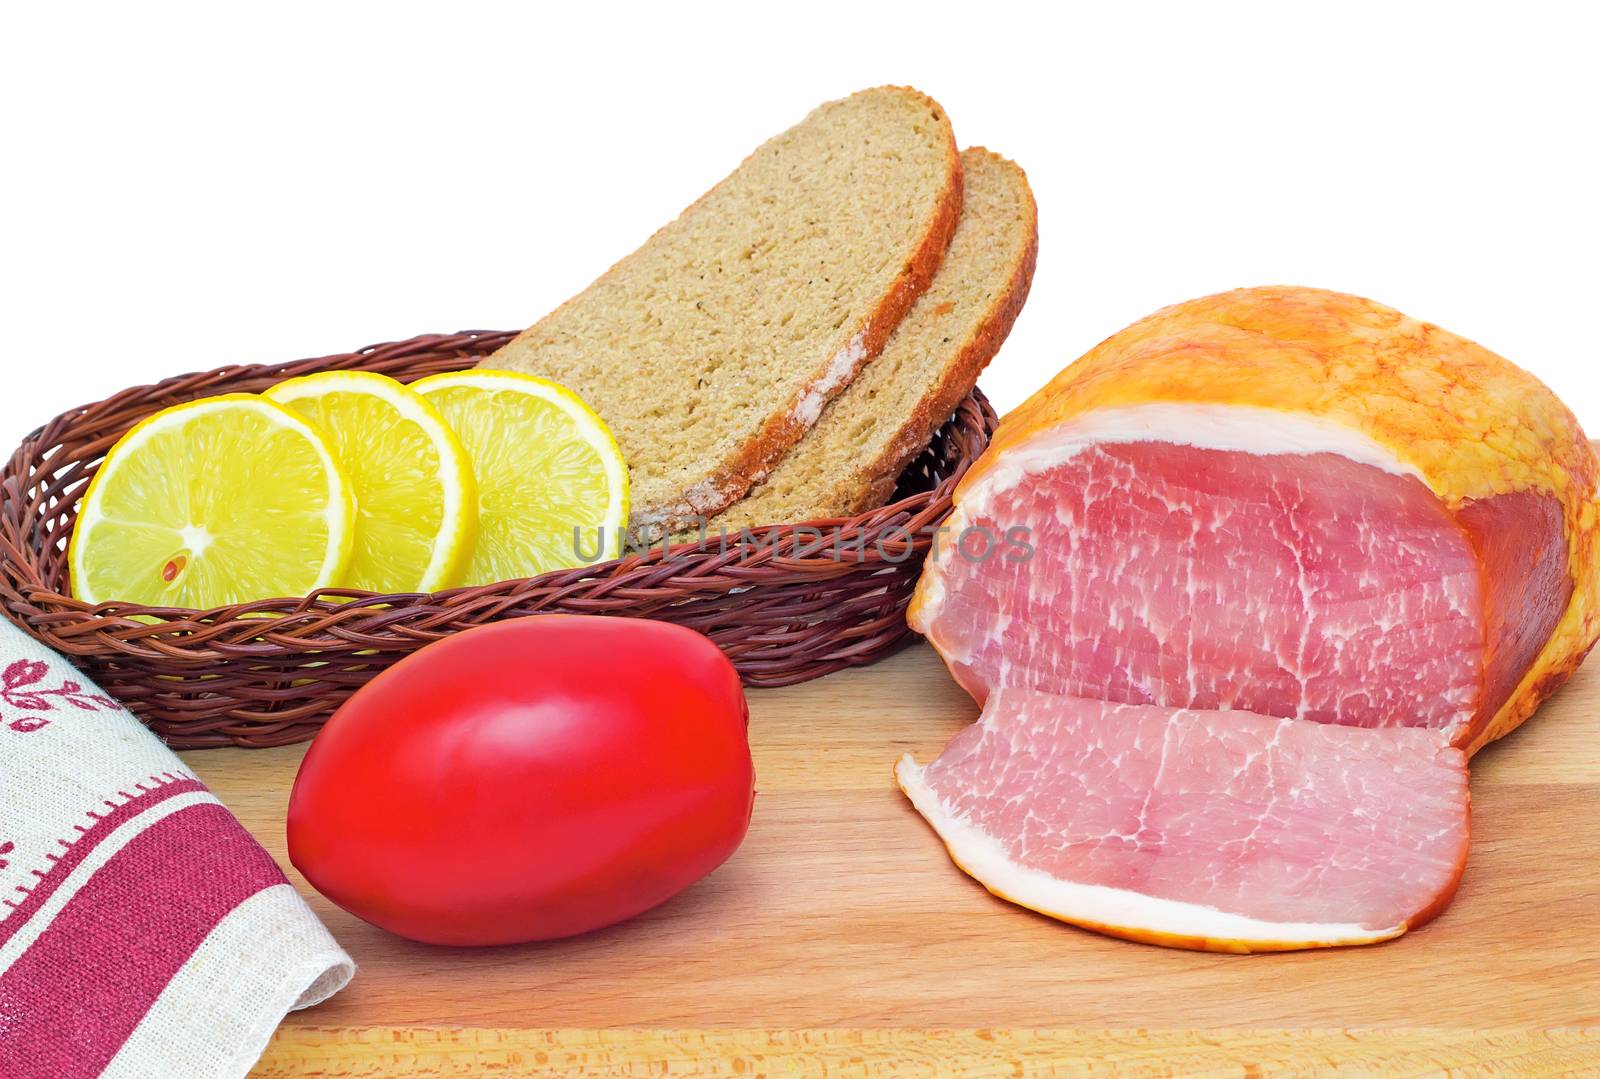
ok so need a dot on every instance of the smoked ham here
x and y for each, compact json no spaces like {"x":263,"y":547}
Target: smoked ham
{"x":1224,"y":830}
{"x":1275,"y":504}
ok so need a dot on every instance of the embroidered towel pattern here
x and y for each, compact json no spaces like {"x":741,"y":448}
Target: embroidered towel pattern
{"x":143,"y":931}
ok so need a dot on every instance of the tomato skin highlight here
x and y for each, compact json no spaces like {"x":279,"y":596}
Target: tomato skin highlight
{"x":527,"y":780}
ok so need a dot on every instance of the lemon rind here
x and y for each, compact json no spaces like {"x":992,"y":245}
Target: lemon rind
{"x":458,"y":525}
{"x":338,"y":512}
{"x":589,"y":424}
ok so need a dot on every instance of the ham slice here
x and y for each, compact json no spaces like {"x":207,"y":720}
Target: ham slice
{"x":1223,"y":830}
{"x":1269,"y":505}
{"x":1303,"y":585}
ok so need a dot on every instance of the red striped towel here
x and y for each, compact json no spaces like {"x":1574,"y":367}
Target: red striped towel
{"x":143,"y":931}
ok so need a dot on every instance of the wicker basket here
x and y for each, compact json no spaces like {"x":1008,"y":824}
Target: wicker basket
{"x":786,"y":606}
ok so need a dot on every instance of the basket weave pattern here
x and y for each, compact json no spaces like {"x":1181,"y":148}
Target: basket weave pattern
{"x":791,"y":603}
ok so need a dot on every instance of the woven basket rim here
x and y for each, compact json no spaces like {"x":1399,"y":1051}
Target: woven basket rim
{"x":805,"y":598}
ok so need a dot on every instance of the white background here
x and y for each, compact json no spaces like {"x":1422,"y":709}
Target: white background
{"x":187,"y":187}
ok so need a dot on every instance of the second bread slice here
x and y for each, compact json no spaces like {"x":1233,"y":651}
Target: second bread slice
{"x":850,"y":462}
{"x":713,"y":348}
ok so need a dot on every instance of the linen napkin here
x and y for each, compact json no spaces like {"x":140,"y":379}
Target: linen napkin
{"x":143,"y":931}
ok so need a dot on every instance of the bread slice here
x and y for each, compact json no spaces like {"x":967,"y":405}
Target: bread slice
{"x":865,"y":438}
{"x":713,"y":348}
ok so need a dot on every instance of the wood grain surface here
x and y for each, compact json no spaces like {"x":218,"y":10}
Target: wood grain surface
{"x":840,"y":939}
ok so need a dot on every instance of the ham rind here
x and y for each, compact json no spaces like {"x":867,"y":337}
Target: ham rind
{"x":1304,"y":585}
{"x":1227,"y":831}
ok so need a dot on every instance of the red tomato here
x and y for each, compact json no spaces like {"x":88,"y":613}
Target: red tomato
{"x":527,"y":780}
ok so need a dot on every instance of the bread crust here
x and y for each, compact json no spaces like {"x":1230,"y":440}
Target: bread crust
{"x":961,"y":375}
{"x":863,"y":482}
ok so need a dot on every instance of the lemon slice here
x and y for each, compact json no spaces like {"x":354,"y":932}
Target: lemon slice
{"x":219,"y":501}
{"x":552,"y":485}
{"x":416,"y":504}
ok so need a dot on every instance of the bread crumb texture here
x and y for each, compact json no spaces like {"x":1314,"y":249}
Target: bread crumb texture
{"x":712,"y":349}
{"x":865,"y":438}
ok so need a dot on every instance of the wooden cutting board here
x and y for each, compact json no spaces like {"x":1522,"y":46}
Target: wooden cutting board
{"x":841,"y":938}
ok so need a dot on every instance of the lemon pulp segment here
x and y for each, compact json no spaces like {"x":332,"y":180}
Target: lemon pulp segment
{"x":416,"y":503}
{"x":219,"y":501}
{"x":552,"y":485}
